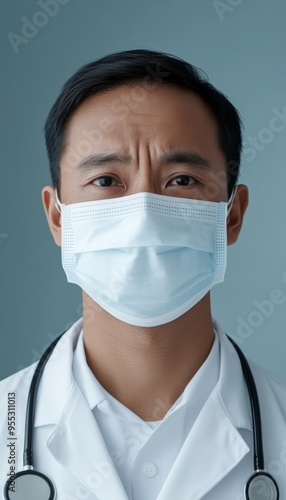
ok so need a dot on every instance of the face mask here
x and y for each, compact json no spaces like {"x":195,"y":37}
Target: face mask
{"x":145,"y":258}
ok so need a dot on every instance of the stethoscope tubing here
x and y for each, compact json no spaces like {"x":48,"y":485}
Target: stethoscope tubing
{"x":258,"y":455}
{"x":28,"y":455}
{"x":270,"y":484}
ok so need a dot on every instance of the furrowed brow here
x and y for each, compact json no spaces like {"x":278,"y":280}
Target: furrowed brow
{"x":102,"y":159}
{"x":185,"y":157}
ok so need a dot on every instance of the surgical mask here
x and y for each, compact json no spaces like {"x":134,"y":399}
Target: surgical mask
{"x":145,"y":258}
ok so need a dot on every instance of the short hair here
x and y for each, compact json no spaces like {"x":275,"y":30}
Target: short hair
{"x":135,"y":66}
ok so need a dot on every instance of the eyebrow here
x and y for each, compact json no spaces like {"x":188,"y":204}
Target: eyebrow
{"x":191,"y":159}
{"x":104,"y":159}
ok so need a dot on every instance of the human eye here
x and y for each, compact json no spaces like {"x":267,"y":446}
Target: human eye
{"x":104,"y":181}
{"x":183,"y":180}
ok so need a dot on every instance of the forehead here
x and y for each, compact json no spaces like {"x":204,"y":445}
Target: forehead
{"x":159,"y":118}
{"x":172,"y":109}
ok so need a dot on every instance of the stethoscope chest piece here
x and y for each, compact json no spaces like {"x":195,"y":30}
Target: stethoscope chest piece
{"x":261,"y":486}
{"x":29,"y":485}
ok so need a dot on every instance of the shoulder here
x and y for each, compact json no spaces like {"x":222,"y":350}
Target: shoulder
{"x":18,"y":383}
{"x":266,"y":378}
{"x":13,"y":401}
{"x":271,"y":390}
{"x":18,"y":378}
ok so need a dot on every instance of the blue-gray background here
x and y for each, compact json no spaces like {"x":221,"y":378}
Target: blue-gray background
{"x":241,"y":46}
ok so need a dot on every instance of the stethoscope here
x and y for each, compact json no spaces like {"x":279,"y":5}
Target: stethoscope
{"x":30,"y":484}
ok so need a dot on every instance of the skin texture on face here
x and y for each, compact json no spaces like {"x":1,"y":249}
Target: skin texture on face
{"x":125,"y":141}
{"x":166,"y":120}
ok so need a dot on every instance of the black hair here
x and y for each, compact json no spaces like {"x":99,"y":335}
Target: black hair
{"x":134,"y":66}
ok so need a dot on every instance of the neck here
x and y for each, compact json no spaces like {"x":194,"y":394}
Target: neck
{"x":146,"y":368}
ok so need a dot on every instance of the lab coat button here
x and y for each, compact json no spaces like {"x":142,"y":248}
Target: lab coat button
{"x":149,"y":469}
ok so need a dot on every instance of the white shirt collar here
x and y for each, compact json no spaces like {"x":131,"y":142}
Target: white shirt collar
{"x":196,"y":391}
{"x":230,"y":387}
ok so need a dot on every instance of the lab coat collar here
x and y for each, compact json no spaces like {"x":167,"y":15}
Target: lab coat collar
{"x":58,"y":374}
{"x":57,"y":380}
{"x":213,"y":448}
{"x":77,"y":445}
{"x":215,"y":434}
{"x":194,"y":394}
{"x":76,"y":441}
{"x":232,"y":388}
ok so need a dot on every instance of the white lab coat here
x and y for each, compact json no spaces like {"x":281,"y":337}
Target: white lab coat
{"x":213,"y":464}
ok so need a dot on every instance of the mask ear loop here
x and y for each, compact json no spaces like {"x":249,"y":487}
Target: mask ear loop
{"x":230,"y":201}
{"x":58,"y":203}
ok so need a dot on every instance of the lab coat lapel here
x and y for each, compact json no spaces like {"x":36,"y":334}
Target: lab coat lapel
{"x":76,"y":442}
{"x":77,"y":445}
{"x":214,"y":445}
{"x":212,"y":449}
{"x":57,"y":379}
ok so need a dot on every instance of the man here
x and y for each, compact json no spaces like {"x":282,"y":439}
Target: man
{"x":144,"y":398}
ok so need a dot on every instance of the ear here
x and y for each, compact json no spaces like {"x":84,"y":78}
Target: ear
{"x":235,"y":217}
{"x":52,"y":213}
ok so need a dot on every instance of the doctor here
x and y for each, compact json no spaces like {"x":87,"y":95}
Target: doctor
{"x":144,"y":397}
